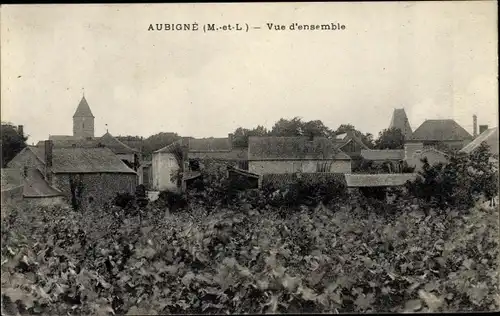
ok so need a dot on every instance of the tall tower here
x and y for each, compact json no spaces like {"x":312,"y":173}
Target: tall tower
{"x":83,"y":120}
{"x":400,"y":120}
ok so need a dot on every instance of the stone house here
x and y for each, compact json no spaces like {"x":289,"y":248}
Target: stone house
{"x":275,"y":155}
{"x":85,"y":176}
{"x":447,"y":132}
{"x":168,"y":161}
{"x":130,"y":156}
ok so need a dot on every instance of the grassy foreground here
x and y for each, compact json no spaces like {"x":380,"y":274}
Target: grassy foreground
{"x":249,"y":260}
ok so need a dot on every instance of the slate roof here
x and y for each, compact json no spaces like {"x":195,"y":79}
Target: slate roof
{"x":35,"y":186}
{"x":490,"y":136}
{"x":383,"y":154}
{"x":293,"y":148}
{"x":83,"y":160}
{"x":83,"y":109}
{"x":378,"y":180}
{"x":440,"y":130}
{"x":400,"y":120}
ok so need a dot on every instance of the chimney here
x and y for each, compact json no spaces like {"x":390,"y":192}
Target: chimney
{"x":230,"y":140}
{"x":474,"y":127}
{"x":482,"y":128}
{"x":20,"y":130}
{"x":48,"y":160}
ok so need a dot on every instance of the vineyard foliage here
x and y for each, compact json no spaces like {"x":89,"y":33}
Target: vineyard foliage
{"x":248,"y":259}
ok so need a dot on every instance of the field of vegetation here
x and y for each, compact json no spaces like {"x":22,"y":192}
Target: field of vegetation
{"x":214,"y":251}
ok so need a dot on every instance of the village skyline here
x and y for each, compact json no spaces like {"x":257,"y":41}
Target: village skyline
{"x":437,"y":62}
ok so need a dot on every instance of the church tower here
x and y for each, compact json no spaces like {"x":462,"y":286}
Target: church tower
{"x":83,"y":120}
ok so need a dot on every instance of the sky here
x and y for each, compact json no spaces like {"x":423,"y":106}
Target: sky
{"x":436,"y":60}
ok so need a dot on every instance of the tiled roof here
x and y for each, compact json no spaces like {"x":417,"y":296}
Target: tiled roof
{"x":35,"y":185}
{"x":490,"y":136}
{"x":342,"y":139}
{"x":11,"y":178}
{"x":383,"y":154}
{"x":69,"y":143}
{"x":209,"y":144}
{"x":440,"y":130}
{"x":107,"y":140}
{"x":378,"y":180}
{"x":118,"y":147}
{"x":400,"y":120}
{"x":64,"y":138}
{"x":177,"y":145}
{"x":292,"y":148}
{"x":83,"y":160}
{"x":83,"y":109}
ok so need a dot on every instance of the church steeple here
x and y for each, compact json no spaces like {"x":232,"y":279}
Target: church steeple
{"x":83,"y":120}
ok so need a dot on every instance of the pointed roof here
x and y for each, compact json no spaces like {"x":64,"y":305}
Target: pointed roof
{"x":83,"y":109}
{"x":440,"y":130}
{"x":400,"y":120}
{"x":109,"y":141}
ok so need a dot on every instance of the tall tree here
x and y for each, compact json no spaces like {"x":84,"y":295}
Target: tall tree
{"x":12,"y":142}
{"x":391,"y":138}
{"x":284,"y":127}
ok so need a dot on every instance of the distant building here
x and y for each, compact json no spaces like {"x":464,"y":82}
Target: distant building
{"x":167,"y":161}
{"x":400,"y":120}
{"x":86,"y":176}
{"x":350,"y":144}
{"x":447,"y":132}
{"x":490,"y":136}
{"x":275,"y":155}
{"x":416,"y":152}
{"x":379,"y":157}
{"x":147,"y":175}
{"x":412,"y":154}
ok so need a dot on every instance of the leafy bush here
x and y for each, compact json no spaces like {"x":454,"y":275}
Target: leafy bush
{"x":124,"y":200}
{"x":246,"y":260}
{"x":459,"y":183}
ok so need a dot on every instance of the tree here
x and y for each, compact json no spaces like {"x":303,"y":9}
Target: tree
{"x":12,"y":143}
{"x":240,"y":135}
{"x":158,"y":141}
{"x":284,"y":127}
{"x":461,"y":182}
{"x":391,"y":138}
